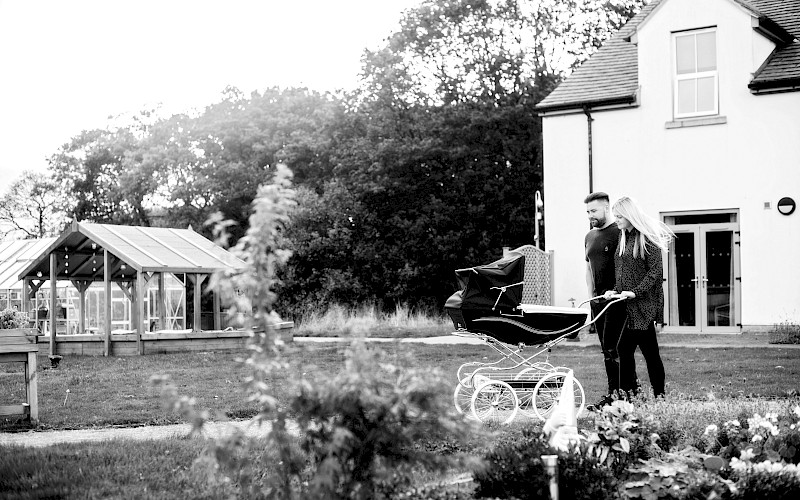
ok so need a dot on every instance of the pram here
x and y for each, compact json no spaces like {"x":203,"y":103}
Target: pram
{"x":488,"y":307}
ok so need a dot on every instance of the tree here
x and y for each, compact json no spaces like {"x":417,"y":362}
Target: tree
{"x":31,"y":207}
{"x":96,"y":178}
{"x":487,"y":50}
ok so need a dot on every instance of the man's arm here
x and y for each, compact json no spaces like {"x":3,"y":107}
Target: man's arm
{"x":589,"y":279}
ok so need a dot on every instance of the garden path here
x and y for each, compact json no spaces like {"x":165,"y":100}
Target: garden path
{"x":39,"y":439}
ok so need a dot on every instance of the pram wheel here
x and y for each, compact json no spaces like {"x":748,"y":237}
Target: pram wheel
{"x":548,"y":390}
{"x":462,"y":397}
{"x":495,"y":401}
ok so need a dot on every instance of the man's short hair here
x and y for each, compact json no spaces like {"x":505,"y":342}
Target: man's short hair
{"x":597,"y":195}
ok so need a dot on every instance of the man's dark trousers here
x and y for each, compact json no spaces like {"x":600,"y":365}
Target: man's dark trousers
{"x":609,"y":329}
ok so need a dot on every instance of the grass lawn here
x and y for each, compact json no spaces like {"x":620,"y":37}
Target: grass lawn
{"x":117,"y":391}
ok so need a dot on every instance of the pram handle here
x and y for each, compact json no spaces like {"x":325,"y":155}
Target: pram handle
{"x":615,"y":297}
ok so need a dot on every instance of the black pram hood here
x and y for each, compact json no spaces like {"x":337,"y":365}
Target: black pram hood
{"x":495,"y":285}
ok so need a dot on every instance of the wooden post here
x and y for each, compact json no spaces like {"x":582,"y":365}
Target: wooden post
{"x":552,"y":277}
{"x":81,"y":286}
{"x":31,"y":385}
{"x":81,"y":310}
{"x":141,"y":285}
{"x":198,"y":280}
{"x":217,"y":316}
{"x":53,"y":291}
{"x":107,"y":283}
{"x":26,"y":286}
{"x":162,"y":303}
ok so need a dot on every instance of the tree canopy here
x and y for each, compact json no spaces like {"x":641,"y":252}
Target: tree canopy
{"x":431,"y":164}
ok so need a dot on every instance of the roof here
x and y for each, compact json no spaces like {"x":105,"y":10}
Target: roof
{"x":782,"y":68}
{"x":80,"y":249}
{"x":610,"y":75}
{"x":15,"y":255}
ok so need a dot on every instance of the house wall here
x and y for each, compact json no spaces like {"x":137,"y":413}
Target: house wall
{"x":751,"y":159}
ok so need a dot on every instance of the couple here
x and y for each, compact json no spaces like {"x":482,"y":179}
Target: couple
{"x":623,"y":258}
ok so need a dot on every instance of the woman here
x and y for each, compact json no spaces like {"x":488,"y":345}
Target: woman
{"x":639,"y":275}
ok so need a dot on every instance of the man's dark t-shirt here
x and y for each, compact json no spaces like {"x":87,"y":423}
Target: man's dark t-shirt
{"x":601,"y":245}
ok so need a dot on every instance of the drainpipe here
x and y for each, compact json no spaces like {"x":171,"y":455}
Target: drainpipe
{"x":589,"y":121}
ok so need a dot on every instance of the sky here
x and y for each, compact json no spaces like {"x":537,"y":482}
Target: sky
{"x":67,"y":65}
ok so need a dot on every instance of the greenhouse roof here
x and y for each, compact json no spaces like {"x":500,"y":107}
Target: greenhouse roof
{"x":16,"y":255}
{"x":79,"y":253}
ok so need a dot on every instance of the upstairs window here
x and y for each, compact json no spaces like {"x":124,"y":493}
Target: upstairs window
{"x":695,"y":80}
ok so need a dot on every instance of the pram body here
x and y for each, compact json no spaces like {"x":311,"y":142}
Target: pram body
{"x":488,"y":307}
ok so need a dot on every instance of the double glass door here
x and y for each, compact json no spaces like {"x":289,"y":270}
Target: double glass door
{"x":703,"y":278}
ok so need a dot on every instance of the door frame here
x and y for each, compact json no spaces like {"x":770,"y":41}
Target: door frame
{"x":699,"y":230}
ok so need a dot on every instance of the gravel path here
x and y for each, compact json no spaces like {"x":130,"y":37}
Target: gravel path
{"x":49,"y":438}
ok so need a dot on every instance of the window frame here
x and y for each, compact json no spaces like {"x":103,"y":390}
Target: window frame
{"x":677,"y":78}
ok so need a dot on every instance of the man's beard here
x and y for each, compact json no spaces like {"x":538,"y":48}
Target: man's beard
{"x":595,"y":222}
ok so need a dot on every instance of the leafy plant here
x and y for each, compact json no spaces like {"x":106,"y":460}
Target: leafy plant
{"x":11,"y":319}
{"x":514,"y":469}
{"x":361,"y":425}
{"x":675,"y":475}
{"x":775,"y":437}
{"x":355,"y":426}
{"x":620,"y":437}
{"x":786,"y":332}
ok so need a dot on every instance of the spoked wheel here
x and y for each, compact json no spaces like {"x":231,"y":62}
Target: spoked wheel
{"x":462,"y":397}
{"x":495,"y":401}
{"x":548,"y":390}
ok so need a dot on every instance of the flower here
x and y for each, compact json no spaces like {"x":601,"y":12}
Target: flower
{"x":757,"y":438}
{"x":747,"y":455}
{"x":711,"y":429}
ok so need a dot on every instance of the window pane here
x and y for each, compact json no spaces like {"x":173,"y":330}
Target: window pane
{"x":686,"y":96}
{"x":705,"y":94}
{"x":706,"y":51}
{"x":684,"y":54}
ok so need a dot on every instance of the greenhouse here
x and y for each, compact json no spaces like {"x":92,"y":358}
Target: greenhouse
{"x":159,"y":275}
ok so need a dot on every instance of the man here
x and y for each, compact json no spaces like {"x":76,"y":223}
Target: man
{"x":600,"y":245}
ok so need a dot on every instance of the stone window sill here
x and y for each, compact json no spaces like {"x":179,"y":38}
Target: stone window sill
{"x":696,"y":122}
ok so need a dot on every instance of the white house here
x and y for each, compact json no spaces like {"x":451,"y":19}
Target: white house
{"x":693,"y":109}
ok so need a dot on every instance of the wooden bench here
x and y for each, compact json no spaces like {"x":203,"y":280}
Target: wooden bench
{"x":20,"y":346}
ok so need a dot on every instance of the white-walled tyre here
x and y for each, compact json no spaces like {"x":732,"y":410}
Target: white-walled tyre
{"x":494,"y":401}
{"x":547,"y":392}
{"x":462,"y":398}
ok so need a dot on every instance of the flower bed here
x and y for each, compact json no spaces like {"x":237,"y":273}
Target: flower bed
{"x":623,"y":455}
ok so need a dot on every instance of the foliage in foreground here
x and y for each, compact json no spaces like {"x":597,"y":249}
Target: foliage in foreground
{"x":754,"y":459}
{"x":357,"y":428}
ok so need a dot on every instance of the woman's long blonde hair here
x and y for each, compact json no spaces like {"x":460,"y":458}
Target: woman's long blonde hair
{"x":650,"y":229}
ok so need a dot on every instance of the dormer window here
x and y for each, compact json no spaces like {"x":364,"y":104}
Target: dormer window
{"x":695,"y":79}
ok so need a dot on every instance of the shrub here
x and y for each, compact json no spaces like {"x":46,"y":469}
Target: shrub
{"x":680,"y":476}
{"x":356,"y":428}
{"x":10,"y":319}
{"x":361,"y":425}
{"x":764,"y":485}
{"x":785,"y":333}
{"x":774,"y":437}
{"x":621,"y":437}
{"x":515,"y":469}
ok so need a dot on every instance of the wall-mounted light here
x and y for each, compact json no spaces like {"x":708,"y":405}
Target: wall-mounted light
{"x":786,"y":206}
